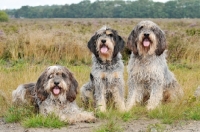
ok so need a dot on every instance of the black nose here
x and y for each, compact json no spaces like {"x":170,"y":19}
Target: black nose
{"x":103,"y":41}
{"x":146,"y":34}
{"x":56,"y":83}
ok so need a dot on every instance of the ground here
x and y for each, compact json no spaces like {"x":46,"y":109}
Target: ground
{"x":141,"y":125}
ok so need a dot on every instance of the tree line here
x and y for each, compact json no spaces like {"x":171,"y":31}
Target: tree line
{"x":113,"y":9}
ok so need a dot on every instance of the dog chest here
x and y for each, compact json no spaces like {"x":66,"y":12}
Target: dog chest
{"x":145,"y":73}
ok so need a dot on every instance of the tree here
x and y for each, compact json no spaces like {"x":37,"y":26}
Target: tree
{"x":3,"y":16}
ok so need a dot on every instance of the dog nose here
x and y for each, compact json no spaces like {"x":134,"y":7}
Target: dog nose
{"x":56,"y":83}
{"x":146,"y":34}
{"x":103,"y":41}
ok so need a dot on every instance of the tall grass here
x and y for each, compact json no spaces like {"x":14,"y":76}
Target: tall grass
{"x":27,"y":47}
{"x":66,"y":39}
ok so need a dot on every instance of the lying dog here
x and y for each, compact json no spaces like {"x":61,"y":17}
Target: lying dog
{"x":54,"y":92}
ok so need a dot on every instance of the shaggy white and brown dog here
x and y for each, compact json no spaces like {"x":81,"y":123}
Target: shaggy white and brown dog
{"x":149,"y":79}
{"x":106,"y":77}
{"x":54,"y":92}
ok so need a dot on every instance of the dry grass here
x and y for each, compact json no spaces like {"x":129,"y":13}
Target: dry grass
{"x":27,"y":47}
{"x":66,"y":39}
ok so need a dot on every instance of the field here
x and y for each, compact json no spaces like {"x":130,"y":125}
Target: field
{"x":28,"y":46}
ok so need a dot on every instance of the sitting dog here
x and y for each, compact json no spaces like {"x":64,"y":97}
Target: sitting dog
{"x":149,"y":78}
{"x":54,"y":92}
{"x":106,"y":77}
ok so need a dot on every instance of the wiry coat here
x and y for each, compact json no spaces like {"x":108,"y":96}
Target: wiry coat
{"x":106,"y":77}
{"x":54,"y":92}
{"x":149,"y":78}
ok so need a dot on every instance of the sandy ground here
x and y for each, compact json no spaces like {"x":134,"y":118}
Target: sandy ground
{"x":142,"y":125}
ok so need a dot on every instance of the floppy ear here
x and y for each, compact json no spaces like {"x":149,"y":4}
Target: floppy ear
{"x":119,"y":44}
{"x":39,"y":87}
{"x":73,"y":86}
{"x":131,"y":43}
{"x":92,"y":45}
{"x":161,"y":46}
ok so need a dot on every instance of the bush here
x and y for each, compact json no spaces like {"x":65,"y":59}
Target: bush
{"x":3,"y":16}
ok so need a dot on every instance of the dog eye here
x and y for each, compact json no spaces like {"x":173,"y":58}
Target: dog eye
{"x":63,"y":75}
{"x":110,"y":35}
{"x":140,"y":27}
{"x":98,"y":35}
{"x":153,"y":29}
{"x":50,"y":76}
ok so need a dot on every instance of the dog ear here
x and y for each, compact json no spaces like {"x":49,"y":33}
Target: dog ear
{"x":119,"y":44}
{"x":92,"y":45}
{"x":131,"y":43}
{"x":161,"y":46}
{"x":73,"y":86}
{"x":39,"y":87}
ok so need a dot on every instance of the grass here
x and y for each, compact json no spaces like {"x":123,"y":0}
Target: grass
{"x":29,"y":46}
{"x":3,"y":104}
{"x":110,"y":126}
{"x":38,"y":121}
{"x":18,"y":113}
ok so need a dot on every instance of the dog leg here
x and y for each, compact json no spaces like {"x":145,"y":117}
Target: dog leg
{"x":86,"y":93}
{"x":135,"y":95}
{"x":99,"y":96}
{"x":156,"y":96}
{"x":101,"y":103}
{"x":72,"y":114}
{"x":118,"y":97}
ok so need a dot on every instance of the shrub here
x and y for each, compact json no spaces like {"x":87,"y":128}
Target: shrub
{"x":3,"y":16}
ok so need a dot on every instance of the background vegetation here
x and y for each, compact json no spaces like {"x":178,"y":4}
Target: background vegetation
{"x":113,"y":9}
{"x":3,"y":16}
{"x":28,"y":46}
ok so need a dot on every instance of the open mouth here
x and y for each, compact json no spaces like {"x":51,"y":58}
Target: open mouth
{"x":146,"y":42}
{"x":104,"y":49}
{"x":56,"y":90}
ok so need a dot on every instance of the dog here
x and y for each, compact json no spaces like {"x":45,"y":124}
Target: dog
{"x":149,"y":78}
{"x":54,"y":92}
{"x":106,"y":77}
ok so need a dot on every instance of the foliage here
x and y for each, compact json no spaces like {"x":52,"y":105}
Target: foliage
{"x":110,"y":126}
{"x":113,"y":9}
{"x":4,"y":103}
{"x":167,"y":113}
{"x":50,"y":121}
{"x":16,"y":114}
{"x":3,"y":16}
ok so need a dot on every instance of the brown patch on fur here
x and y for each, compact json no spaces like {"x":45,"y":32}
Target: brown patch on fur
{"x":115,"y":74}
{"x":108,"y":32}
{"x":30,"y":94}
{"x":103,"y":75}
{"x":73,"y":88}
{"x":105,"y":57}
{"x":166,"y":96}
{"x":39,"y":87}
{"x":110,"y":44}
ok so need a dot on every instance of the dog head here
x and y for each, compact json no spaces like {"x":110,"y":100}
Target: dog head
{"x":57,"y":82}
{"x":147,"y":39}
{"x":105,"y":44}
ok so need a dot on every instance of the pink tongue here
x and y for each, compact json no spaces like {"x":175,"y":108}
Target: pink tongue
{"x":146,"y":43}
{"x":56,"y":90}
{"x":104,"y":49}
